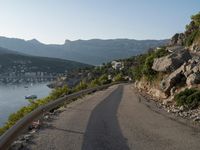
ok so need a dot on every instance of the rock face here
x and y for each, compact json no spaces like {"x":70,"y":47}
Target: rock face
{"x":172,"y":61}
{"x":188,"y":73}
{"x":151,"y":90}
{"x":195,"y":47}
{"x":172,"y":79}
{"x":193,"y":79}
{"x":178,"y":39}
{"x":174,"y":48}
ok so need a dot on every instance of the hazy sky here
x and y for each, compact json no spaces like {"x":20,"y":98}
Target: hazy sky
{"x":53,"y":21}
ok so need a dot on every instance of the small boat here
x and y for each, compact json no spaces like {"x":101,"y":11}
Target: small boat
{"x":25,"y":87}
{"x":31,"y":97}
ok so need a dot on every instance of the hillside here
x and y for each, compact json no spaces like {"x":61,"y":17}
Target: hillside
{"x":93,"y":51}
{"x":13,"y":62}
{"x":171,"y":74}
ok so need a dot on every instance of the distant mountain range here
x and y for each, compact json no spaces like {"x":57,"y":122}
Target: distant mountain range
{"x":13,"y":62}
{"x":93,"y":51}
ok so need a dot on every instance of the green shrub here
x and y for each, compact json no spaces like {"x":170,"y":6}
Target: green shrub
{"x":145,"y":62}
{"x":193,"y":30}
{"x":160,"y":52}
{"x":104,"y":79}
{"x":81,"y":86}
{"x":189,"y":98}
{"x":147,"y":70}
{"x":192,"y":37}
{"x":56,"y":93}
{"x":137,"y":73}
{"x":95,"y":83}
{"x":118,"y":77}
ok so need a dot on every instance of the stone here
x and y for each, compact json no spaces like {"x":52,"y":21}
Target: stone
{"x":167,"y":101}
{"x":27,"y":137}
{"x":196,"y":119}
{"x":195,"y":47}
{"x":174,"y":48}
{"x":187,"y":73}
{"x":175,"y":110}
{"x":17,"y":145}
{"x":195,"y":69}
{"x":181,"y":108}
{"x":177,"y":39}
{"x":172,"y":80}
{"x":172,"y":91}
{"x":46,"y":117}
{"x":193,"y":79}
{"x":181,"y":39}
{"x":35,"y":125}
{"x":171,"y":62}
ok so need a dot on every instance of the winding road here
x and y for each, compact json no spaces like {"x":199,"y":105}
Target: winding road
{"x":116,"y":119}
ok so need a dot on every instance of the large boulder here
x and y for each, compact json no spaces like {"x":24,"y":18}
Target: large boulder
{"x":172,"y":61}
{"x":174,"y":78}
{"x":188,"y":73}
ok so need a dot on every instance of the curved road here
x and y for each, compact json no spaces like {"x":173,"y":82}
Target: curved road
{"x":116,"y":119}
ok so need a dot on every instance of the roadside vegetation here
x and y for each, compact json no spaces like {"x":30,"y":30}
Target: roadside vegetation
{"x":14,"y":117}
{"x":136,"y":68}
{"x":192,"y":30}
{"x":189,"y":98}
{"x":145,"y":62}
{"x":59,"y":92}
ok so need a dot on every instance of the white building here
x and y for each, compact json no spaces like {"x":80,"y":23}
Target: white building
{"x":117,"y":65}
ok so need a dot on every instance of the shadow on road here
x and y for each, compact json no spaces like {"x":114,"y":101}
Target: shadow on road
{"x":103,"y":131}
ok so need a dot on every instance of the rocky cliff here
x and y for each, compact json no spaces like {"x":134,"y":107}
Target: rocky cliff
{"x":180,"y":68}
{"x":173,"y":78}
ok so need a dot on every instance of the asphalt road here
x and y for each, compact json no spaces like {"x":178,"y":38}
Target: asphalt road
{"x":116,"y":119}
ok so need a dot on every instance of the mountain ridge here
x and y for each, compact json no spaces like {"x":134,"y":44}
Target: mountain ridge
{"x":93,"y":51}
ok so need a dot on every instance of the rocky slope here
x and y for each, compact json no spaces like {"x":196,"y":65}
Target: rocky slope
{"x":179,"y":70}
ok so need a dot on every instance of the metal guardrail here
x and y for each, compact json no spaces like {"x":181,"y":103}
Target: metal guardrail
{"x":11,"y":134}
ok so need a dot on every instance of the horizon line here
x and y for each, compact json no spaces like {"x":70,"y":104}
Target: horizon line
{"x":39,"y":41}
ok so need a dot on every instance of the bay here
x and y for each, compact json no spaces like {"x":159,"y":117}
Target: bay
{"x":12,"y":97}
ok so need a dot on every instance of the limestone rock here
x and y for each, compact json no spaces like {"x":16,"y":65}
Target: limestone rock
{"x":178,"y":39}
{"x":193,"y":79}
{"x":172,"y":79}
{"x":174,"y":48}
{"x":172,"y":91}
{"x":172,"y":61}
